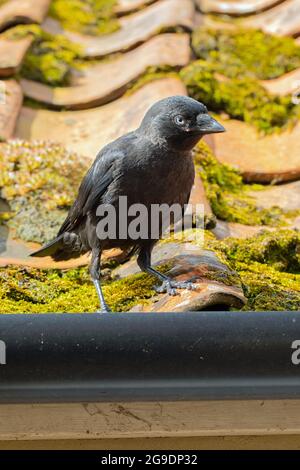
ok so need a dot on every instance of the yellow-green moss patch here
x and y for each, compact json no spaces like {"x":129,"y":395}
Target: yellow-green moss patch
{"x":231,"y":63}
{"x":228,"y":195}
{"x":279,"y":249}
{"x":39,"y":180}
{"x":246,"y":52}
{"x":269,"y":268}
{"x":50,"y":57}
{"x":93,"y":17}
{"x":241,"y":98}
{"x":39,"y":291}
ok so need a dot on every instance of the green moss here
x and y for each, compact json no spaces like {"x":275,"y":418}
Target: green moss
{"x":265,"y":289}
{"x":232,"y":62}
{"x":246,"y":52}
{"x":241,"y":98}
{"x":279,"y":250}
{"x":50,"y":60}
{"x":228,"y":195}
{"x":21,"y":31}
{"x":269,"y":268}
{"x":39,"y":181}
{"x":93,"y":17}
{"x":40,"y":291}
{"x":266,"y":266}
{"x":50,"y":57}
{"x":229,"y":278}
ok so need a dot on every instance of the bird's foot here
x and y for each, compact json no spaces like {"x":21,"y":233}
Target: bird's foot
{"x":170,"y":287}
{"x":166,"y":288}
{"x":104,"y":309}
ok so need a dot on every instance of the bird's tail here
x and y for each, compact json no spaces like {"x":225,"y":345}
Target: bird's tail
{"x":50,"y":249}
{"x":59,"y":250}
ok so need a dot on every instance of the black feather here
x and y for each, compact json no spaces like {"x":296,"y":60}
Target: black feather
{"x":50,"y":248}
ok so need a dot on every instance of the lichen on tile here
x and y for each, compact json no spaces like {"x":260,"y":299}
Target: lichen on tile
{"x":269,"y":268}
{"x":39,"y":180}
{"x":228,"y":194}
{"x":226,"y":75}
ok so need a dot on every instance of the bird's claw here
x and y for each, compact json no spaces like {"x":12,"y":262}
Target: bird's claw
{"x":104,"y":309}
{"x":166,"y":288}
{"x":184,"y":285}
{"x":170,"y":287}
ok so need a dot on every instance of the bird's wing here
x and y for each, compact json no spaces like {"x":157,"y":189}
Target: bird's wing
{"x":93,"y":186}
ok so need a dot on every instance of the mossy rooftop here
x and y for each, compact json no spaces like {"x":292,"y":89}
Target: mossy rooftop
{"x":89,"y":16}
{"x":231,"y":66}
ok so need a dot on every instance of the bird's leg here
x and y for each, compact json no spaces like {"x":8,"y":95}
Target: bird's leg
{"x":168,"y":285}
{"x":95,"y":274}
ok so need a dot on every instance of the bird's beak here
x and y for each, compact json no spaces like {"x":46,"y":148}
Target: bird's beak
{"x":211,"y":126}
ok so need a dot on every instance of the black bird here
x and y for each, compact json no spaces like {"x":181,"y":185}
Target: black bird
{"x":152,"y":165}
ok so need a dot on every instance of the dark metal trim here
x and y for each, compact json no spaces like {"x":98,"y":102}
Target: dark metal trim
{"x":149,"y":356}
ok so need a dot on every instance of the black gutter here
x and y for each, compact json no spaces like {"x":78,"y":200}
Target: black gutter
{"x":148,"y":356}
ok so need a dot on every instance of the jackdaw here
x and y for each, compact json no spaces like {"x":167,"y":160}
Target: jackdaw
{"x":151,"y":165}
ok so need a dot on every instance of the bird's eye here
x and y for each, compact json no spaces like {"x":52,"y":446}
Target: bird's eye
{"x":179,"y":120}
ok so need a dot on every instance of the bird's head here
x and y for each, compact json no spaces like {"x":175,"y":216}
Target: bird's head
{"x":179,"y":122}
